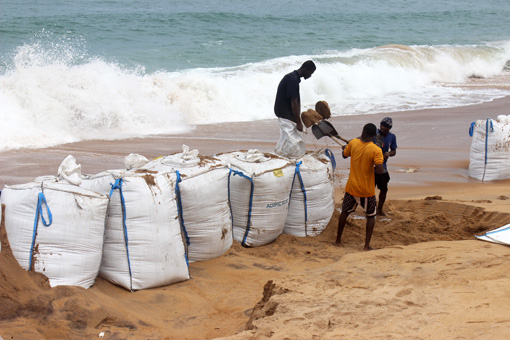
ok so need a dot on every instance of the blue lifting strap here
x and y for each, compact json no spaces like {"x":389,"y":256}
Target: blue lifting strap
{"x":39,"y":212}
{"x":248,"y":224}
{"x":329,"y":153}
{"x":180,"y":210}
{"x":229,"y":202}
{"x":488,"y":128}
{"x":471,"y":129}
{"x":297,"y":174}
{"x":179,"y":204}
{"x":118,"y":185}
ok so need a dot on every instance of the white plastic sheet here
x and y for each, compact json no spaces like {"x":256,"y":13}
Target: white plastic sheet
{"x":500,"y":235}
{"x":68,"y":250}
{"x":490,"y":149}
{"x":312,"y":199}
{"x":259,"y":195}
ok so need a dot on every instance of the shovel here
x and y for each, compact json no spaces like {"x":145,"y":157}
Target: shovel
{"x":325,"y":128}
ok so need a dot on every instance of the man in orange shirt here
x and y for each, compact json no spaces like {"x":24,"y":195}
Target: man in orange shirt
{"x":360,"y":187}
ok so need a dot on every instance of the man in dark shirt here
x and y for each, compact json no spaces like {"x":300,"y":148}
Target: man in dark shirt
{"x":387,"y":141}
{"x":287,"y":108}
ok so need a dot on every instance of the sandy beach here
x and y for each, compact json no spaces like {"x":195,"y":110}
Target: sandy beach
{"x":428,"y":278}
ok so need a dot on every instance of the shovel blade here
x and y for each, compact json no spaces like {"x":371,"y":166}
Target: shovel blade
{"x":317,"y":132}
{"x":327,"y":128}
{"x":323,"y":128}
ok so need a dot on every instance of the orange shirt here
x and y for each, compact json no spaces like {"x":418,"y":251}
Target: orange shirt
{"x":364,"y":156}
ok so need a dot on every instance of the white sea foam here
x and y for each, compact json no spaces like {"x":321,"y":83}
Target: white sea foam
{"x":48,"y":98}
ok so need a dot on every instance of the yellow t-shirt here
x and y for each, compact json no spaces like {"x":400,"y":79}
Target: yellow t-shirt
{"x":364,"y":156}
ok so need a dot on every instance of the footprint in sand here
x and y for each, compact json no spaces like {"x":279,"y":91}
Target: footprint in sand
{"x":404,"y":292}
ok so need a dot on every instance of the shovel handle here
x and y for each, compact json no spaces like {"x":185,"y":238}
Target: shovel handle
{"x":337,"y":140}
{"x":345,"y":140}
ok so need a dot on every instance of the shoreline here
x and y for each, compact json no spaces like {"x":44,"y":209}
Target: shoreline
{"x":435,"y":141}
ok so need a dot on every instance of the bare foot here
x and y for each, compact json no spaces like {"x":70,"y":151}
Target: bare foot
{"x":368,"y":248}
{"x":337,"y":244}
{"x":381,"y":213}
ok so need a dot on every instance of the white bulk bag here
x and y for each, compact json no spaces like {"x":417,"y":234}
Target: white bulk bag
{"x":56,"y":229}
{"x":101,"y":182}
{"x":312,"y":197}
{"x":69,"y":171}
{"x":489,"y":158}
{"x":143,"y":245}
{"x":260,"y":185}
{"x":202,"y":193}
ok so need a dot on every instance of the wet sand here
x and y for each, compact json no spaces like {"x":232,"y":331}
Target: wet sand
{"x":428,"y":279}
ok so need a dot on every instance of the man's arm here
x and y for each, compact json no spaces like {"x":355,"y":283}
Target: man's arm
{"x":343,"y":150}
{"x":379,"y":168}
{"x":391,"y":153}
{"x":295,"y":110}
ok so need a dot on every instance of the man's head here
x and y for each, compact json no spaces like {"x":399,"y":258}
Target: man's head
{"x":369,"y":131}
{"x":307,"y":69}
{"x":386,"y":125}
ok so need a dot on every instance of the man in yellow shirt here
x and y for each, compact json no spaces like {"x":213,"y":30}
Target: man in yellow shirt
{"x":360,"y":187}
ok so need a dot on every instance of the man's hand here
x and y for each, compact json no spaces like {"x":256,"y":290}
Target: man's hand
{"x":299,"y":126}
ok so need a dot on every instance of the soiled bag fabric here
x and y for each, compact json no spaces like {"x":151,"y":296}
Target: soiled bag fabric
{"x":489,"y":158}
{"x":143,"y":244}
{"x":56,"y":229}
{"x":260,"y":185}
{"x":204,"y":206}
{"x":312,"y":198}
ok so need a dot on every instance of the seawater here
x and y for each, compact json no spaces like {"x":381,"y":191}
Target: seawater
{"x":91,"y":69}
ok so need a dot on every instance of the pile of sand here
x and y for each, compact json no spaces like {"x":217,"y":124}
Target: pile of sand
{"x":221,"y":298}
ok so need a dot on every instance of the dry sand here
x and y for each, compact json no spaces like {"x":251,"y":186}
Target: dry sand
{"x":428,"y":279}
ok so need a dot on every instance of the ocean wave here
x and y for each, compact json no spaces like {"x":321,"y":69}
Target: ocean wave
{"x":51,"y":95}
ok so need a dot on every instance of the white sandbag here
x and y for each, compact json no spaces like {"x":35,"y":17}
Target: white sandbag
{"x":135,"y":161}
{"x":490,"y":149}
{"x":312,"y":198}
{"x":102,"y":182}
{"x":202,"y":189}
{"x":56,"y":229}
{"x":260,"y":185}
{"x":291,"y":143}
{"x":143,"y":245}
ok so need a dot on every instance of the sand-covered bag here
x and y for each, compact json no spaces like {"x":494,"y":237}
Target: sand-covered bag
{"x":260,"y":185}
{"x":310,"y":117}
{"x":202,"y":193}
{"x":312,"y":198}
{"x":489,"y":158}
{"x":57,"y":229}
{"x":143,"y":245}
{"x":322,"y":107}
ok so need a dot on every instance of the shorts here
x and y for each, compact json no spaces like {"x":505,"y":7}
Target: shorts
{"x":368,"y":204}
{"x":381,"y":181}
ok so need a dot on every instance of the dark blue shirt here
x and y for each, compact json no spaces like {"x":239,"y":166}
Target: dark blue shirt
{"x":385,"y":143}
{"x":287,"y":89}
